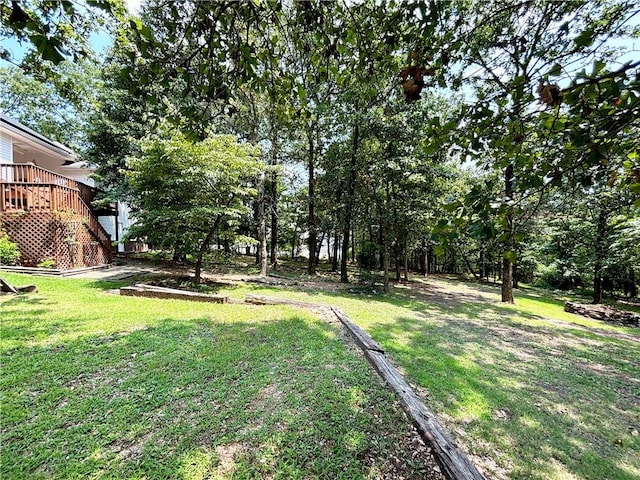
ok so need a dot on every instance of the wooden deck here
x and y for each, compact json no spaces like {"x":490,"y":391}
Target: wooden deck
{"x":31,"y":195}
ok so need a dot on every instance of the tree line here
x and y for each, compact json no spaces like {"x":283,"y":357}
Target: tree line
{"x":498,"y":139}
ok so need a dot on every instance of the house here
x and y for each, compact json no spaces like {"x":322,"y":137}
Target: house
{"x":46,"y":203}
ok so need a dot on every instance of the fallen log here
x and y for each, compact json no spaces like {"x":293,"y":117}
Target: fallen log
{"x":604,"y":313}
{"x":150,"y":291}
{"x":27,"y":289}
{"x":8,"y":288}
{"x":363,"y":340}
{"x":454,"y":462}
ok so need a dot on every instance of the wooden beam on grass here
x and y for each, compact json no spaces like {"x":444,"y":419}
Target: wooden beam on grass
{"x":364,"y":341}
{"x":169,"y":293}
{"x":263,"y":300}
{"x":454,"y":462}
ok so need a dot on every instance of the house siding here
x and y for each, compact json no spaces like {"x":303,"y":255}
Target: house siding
{"x":6,"y":148}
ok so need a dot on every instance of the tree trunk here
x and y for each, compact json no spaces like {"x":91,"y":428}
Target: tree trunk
{"x":272,"y":194}
{"x":348,"y":213}
{"x":204,"y":246}
{"x":293,"y":244}
{"x":319,"y":249}
{"x":353,"y":245}
{"x":262,"y":227}
{"x":385,"y":268}
{"x":405,"y":255}
{"x":507,"y":286}
{"x":311,"y":225}
{"x":469,"y":266}
{"x":334,"y":261}
{"x":273,"y":202}
{"x":599,"y":254}
{"x":422,"y":259}
{"x":507,"y":267}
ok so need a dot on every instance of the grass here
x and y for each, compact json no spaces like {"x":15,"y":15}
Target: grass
{"x":530,"y":390}
{"x":99,"y":386}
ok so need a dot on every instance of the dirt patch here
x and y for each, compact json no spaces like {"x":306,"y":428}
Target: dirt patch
{"x":127,"y":450}
{"x":227,"y":455}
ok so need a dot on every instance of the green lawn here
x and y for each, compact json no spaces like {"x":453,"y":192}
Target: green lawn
{"x":94,"y":385}
{"x":531,"y":391}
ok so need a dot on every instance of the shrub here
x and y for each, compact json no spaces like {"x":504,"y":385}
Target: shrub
{"x":47,"y":264}
{"x":9,"y":253}
{"x":560,"y":275}
{"x":368,"y":255}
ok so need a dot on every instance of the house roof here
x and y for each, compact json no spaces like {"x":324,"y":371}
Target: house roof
{"x":19,"y":129}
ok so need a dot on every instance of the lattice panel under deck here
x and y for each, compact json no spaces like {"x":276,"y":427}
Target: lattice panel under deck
{"x":58,"y":236}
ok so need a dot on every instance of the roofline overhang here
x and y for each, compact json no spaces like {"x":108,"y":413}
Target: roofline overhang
{"x":17,"y":128}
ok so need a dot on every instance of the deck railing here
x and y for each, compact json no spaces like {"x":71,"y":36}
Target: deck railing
{"x":29,"y":187}
{"x":24,"y":172}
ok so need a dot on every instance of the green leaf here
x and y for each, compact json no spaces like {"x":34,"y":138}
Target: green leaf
{"x":598,"y":65}
{"x":555,"y":71}
{"x":585,"y":39}
{"x":511,"y":256}
{"x":51,"y":52}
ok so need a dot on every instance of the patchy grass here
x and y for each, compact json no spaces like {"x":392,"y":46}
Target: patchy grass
{"x":96,"y":385}
{"x":530,"y":390}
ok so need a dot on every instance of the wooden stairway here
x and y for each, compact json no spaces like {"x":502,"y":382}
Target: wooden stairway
{"x":25,"y":187}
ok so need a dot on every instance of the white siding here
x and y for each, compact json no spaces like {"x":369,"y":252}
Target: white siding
{"x":124,"y":222}
{"x":109,"y":224}
{"x":6,"y":148}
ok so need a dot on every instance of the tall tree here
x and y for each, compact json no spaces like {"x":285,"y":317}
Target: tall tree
{"x":187,"y":192}
{"x":59,"y":110}
{"x":508,"y":50}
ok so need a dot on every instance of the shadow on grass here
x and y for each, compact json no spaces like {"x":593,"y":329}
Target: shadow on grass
{"x":550,"y":405}
{"x":279,"y":397}
{"x":540,"y":400}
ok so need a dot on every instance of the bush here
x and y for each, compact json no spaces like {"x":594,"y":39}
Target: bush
{"x":47,"y":264}
{"x":559,"y":275}
{"x":526,"y":268}
{"x":368,"y":255}
{"x":9,"y":253}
